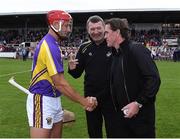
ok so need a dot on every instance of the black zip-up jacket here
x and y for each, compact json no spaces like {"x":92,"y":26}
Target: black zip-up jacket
{"x":95,"y":61}
{"x":134,"y":75}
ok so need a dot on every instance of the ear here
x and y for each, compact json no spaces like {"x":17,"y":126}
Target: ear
{"x":56,"y":24}
{"x":87,"y":29}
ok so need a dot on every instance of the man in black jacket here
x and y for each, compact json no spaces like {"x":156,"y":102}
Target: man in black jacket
{"x":94,"y":57}
{"x":134,"y":81}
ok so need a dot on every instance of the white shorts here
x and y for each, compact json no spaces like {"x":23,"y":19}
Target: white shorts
{"x":43,"y":111}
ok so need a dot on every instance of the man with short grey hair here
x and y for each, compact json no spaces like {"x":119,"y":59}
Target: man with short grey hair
{"x":94,"y":57}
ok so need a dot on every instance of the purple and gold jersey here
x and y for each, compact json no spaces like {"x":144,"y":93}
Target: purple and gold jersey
{"x":47,"y":62}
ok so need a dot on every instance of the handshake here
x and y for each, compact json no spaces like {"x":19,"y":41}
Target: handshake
{"x":91,"y":103}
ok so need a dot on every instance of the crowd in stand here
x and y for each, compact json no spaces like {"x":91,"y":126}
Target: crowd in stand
{"x":152,"y":39}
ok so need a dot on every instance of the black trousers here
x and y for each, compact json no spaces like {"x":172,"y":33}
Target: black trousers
{"x":141,"y":126}
{"x":136,"y":128}
{"x":105,"y":110}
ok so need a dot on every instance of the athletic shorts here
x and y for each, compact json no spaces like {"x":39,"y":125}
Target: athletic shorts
{"x":43,"y":111}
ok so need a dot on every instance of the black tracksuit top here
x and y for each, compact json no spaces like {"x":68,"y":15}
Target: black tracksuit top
{"x":95,"y":61}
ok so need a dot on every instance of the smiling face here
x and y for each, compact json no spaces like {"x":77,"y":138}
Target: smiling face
{"x":96,"y":31}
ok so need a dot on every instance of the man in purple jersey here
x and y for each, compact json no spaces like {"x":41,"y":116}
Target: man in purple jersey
{"x":44,"y":108}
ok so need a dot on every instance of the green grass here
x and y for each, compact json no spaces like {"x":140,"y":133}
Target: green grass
{"x":13,"y":119}
{"x":168,"y":102}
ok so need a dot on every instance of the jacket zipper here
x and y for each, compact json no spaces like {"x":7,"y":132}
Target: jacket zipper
{"x":111,"y":90}
{"x":112,"y":97}
{"x":125,"y":87}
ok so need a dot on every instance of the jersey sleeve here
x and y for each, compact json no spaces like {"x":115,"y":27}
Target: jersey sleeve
{"x":52,"y":59}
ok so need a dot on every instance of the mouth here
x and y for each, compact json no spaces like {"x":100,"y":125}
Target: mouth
{"x":97,"y":35}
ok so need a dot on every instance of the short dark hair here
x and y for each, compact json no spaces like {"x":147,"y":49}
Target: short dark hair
{"x":94,"y":19}
{"x":121,"y":24}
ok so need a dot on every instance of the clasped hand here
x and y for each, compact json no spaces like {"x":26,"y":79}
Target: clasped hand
{"x":91,"y":103}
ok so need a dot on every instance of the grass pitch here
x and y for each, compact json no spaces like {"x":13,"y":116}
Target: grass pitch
{"x":13,"y":119}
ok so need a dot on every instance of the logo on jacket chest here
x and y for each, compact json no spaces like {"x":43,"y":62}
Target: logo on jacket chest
{"x":108,"y":54}
{"x":90,"y":54}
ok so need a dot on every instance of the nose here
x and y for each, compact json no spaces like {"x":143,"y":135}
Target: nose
{"x":95,"y":31}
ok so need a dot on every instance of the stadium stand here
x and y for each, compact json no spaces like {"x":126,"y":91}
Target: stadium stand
{"x":152,"y":29}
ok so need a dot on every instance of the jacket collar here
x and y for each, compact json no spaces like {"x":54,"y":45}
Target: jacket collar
{"x":122,"y":47}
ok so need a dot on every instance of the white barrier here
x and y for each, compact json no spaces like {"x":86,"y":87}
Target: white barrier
{"x":8,"y":54}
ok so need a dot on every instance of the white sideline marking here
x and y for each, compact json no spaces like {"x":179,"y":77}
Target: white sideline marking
{"x":4,"y":75}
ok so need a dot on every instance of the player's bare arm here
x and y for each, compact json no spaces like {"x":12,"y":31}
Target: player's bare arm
{"x":63,"y":86}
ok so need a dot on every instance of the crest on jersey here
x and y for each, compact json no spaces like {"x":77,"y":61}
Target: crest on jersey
{"x":49,"y":120}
